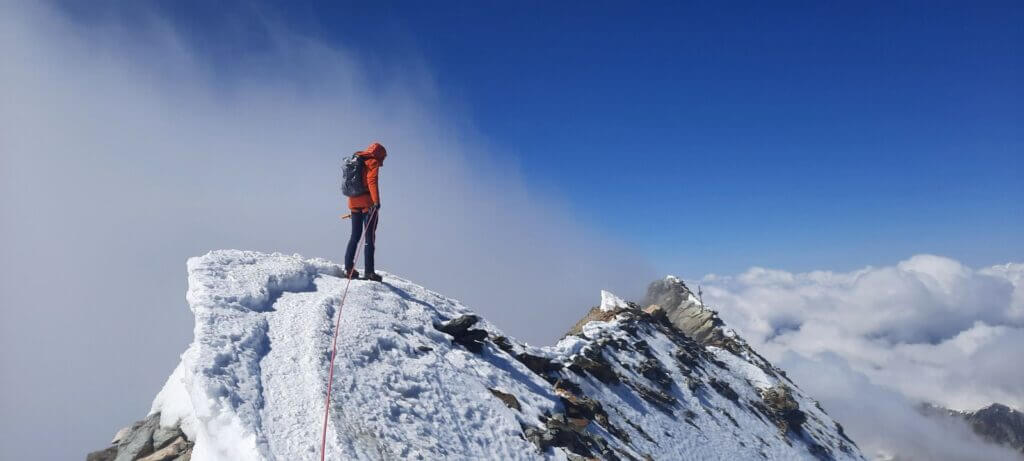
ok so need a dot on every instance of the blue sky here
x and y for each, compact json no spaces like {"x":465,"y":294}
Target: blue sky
{"x":713,"y":136}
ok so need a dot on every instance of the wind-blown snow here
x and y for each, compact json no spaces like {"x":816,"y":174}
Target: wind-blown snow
{"x":610,"y":302}
{"x":251,"y":386}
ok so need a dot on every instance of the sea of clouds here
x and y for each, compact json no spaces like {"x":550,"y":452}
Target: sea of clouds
{"x":874,"y":343}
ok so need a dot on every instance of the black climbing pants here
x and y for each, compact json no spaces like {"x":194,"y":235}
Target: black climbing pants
{"x":359,"y":221}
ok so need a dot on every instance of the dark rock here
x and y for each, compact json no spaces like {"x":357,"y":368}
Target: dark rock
{"x":503,"y":343}
{"x":558,"y":431}
{"x":537,"y":364}
{"x":139,"y":442}
{"x":584,"y":408}
{"x":146,"y":441}
{"x":473,"y":346}
{"x":123,"y":434}
{"x":458,"y":326}
{"x":652,"y":370}
{"x":473,"y":336}
{"x":424,"y":348}
{"x":162,"y":436}
{"x":723,"y":388}
{"x":598,"y":368}
{"x":728,"y":343}
{"x":640,"y":430}
{"x":461,"y":333}
{"x":718,"y":363}
{"x":688,"y":357}
{"x":642,"y":347}
{"x":551,"y":378}
{"x":543,"y":439}
{"x":171,"y":452}
{"x":819,"y":451}
{"x":842,"y":432}
{"x":618,"y":433}
{"x":661,"y":400}
{"x":783,"y":409}
{"x":729,"y":417}
{"x":510,"y":400}
{"x":759,"y":410}
{"x":629,"y":327}
{"x":566,"y":387}
{"x":108,"y":454}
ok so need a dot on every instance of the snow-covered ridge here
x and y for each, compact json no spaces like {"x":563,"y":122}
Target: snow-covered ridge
{"x":420,"y":377}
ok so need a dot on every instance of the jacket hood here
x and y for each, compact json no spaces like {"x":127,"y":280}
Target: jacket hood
{"x":374,"y":150}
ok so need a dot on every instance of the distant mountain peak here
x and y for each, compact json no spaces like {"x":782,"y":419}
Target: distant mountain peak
{"x":995,"y":423}
{"x":1000,"y":424}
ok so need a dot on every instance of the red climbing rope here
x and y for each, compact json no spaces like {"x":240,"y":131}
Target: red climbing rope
{"x":337,"y":326}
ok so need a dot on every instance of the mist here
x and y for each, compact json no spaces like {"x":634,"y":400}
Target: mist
{"x":124,"y":152}
{"x":885,"y":423}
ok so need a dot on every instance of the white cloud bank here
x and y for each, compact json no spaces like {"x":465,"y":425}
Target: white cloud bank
{"x":873,"y":342}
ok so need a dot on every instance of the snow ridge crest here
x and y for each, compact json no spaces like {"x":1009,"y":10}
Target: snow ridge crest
{"x":419,"y":376}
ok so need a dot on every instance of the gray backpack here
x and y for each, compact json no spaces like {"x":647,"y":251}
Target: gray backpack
{"x":353,"y":184}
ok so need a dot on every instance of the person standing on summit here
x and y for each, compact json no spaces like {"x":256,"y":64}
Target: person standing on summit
{"x":361,"y":173}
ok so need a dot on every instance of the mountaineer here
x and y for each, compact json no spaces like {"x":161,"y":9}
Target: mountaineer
{"x":360,"y":185}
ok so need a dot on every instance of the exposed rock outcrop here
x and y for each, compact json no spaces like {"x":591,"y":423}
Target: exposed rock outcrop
{"x":683,"y":310}
{"x":461,"y":332}
{"x":782,"y":408}
{"x":596,"y":314}
{"x":508,"y":399}
{"x":146,"y":440}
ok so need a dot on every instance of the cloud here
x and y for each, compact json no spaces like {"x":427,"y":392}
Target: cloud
{"x":927,"y":329}
{"x":883,"y":422}
{"x":125,"y":151}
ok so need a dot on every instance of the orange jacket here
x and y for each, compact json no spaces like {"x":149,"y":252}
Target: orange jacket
{"x":373,"y":158}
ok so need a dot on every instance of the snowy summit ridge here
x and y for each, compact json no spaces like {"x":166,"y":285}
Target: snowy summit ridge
{"x":418,"y":376}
